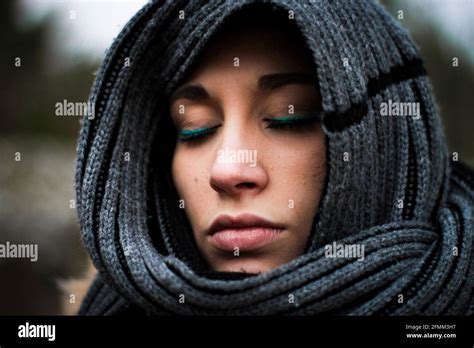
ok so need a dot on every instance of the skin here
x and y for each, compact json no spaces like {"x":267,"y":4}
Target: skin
{"x":286,"y":183}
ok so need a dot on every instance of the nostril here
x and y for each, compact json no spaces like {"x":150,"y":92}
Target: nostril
{"x":246,"y":185}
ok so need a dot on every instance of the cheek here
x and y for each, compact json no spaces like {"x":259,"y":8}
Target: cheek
{"x":190,"y":180}
{"x":312,"y":171}
{"x":299,"y":172}
{"x":302,"y":161}
{"x":177,"y":172}
{"x":185,"y":173}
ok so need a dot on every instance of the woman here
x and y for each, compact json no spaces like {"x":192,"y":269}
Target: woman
{"x":252,"y":158}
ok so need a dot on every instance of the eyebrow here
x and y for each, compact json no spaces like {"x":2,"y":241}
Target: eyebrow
{"x":274,"y":81}
{"x":265,"y":83}
{"x":191,"y":92}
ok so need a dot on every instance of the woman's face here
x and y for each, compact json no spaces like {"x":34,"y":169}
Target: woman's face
{"x":249,"y":163}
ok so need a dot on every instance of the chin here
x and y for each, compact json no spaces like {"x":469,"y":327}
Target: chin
{"x":254,"y":266}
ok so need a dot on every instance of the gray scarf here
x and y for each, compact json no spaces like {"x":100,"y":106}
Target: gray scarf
{"x":399,"y":194}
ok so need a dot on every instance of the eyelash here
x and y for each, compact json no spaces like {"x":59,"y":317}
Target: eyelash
{"x":285,"y":122}
{"x":196,"y":134}
{"x":295,"y":121}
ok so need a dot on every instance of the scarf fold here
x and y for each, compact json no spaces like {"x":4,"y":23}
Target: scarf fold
{"x":398,"y":196}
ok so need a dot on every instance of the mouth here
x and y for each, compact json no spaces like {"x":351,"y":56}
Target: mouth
{"x":245,"y":232}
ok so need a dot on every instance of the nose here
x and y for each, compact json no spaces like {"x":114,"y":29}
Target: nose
{"x":237,"y":169}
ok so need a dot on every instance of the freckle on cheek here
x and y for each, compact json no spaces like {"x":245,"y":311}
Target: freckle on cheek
{"x":195,"y":179}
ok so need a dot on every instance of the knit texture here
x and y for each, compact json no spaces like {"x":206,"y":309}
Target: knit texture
{"x":398,"y":194}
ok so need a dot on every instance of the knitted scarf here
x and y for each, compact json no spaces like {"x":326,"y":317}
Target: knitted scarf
{"x":399,"y":194}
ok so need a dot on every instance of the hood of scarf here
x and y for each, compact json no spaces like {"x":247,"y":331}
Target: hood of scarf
{"x":399,"y":194}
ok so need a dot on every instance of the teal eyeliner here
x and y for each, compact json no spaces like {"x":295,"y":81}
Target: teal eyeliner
{"x":294,"y":120}
{"x":274,"y":122}
{"x":192,"y":134}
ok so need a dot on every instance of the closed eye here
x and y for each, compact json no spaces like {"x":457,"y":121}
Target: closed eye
{"x":283,"y":122}
{"x":292,"y":121}
{"x":196,"y":134}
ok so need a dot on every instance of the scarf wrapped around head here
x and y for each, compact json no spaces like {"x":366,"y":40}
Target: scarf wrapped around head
{"x":399,"y":195}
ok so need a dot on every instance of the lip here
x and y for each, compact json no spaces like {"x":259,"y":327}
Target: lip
{"x":245,"y":231}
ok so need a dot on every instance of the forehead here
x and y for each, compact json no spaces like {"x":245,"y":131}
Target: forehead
{"x":252,"y":49}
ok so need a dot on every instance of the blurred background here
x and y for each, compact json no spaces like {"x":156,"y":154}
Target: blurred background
{"x":60,"y":45}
